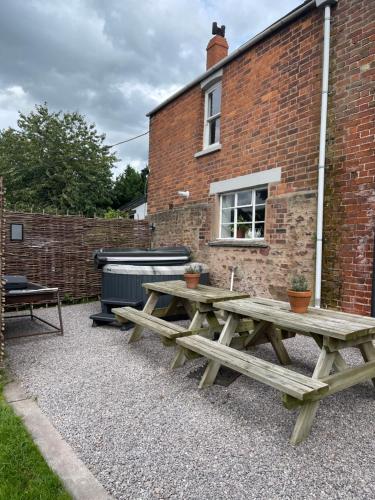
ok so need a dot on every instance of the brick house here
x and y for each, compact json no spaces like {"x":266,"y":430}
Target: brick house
{"x":243,"y":139}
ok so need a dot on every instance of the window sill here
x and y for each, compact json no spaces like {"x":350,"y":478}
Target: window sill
{"x":208,"y":150}
{"x":239,"y":243}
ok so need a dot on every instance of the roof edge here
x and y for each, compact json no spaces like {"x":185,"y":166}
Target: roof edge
{"x":283,"y":21}
{"x":135,"y":202}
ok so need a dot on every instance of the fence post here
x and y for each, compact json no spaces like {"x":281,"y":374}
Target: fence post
{"x":2,"y":298}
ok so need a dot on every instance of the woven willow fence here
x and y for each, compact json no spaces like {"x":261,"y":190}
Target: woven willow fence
{"x":57,"y":250}
{"x":2,"y":299}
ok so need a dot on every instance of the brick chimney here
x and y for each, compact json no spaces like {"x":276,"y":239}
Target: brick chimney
{"x":217,"y":47}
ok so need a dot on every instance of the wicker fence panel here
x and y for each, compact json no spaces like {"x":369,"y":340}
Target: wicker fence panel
{"x":2,"y":299}
{"x":57,"y":250}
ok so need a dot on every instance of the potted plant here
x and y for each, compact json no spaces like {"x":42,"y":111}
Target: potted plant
{"x":242,"y":227}
{"x":299,"y":294}
{"x":192,"y":275}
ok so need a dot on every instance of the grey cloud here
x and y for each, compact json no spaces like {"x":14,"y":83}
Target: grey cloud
{"x":114,"y":60}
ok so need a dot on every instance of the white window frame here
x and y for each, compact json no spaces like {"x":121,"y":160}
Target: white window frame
{"x":209,"y":119}
{"x":235,"y":208}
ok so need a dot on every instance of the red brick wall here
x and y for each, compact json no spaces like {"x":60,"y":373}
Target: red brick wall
{"x":270,"y":117}
{"x":350,"y":186}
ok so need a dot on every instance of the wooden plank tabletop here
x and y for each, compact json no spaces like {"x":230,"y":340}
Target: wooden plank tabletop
{"x":339,"y":315}
{"x":324,"y":322}
{"x":204,"y":294}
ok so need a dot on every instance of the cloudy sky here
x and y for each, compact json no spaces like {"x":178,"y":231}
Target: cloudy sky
{"x":114,"y":60}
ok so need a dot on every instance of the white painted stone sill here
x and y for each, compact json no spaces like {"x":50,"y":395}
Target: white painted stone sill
{"x":238,"y":243}
{"x":208,"y":150}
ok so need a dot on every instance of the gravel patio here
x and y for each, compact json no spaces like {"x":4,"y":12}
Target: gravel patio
{"x":147,"y":432}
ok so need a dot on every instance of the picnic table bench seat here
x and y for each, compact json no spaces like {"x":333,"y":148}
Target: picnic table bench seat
{"x":287,"y":381}
{"x":253,"y":321}
{"x":153,"y":323}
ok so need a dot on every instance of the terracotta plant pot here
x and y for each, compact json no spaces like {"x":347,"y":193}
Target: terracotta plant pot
{"x":192,"y":279}
{"x":299,"y":301}
{"x":241,"y":233}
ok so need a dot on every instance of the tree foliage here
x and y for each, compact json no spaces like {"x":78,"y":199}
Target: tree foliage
{"x":129,"y":185}
{"x":113,"y":213}
{"x":56,"y":161}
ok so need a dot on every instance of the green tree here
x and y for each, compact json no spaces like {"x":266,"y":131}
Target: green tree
{"x":56,"y":160}
{"x":129,"y":185}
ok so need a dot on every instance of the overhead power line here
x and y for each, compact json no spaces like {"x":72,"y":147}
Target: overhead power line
{"x":128,"y":140}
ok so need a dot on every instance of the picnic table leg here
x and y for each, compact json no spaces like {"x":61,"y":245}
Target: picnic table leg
{"x":172,"y":307}
{"x":148,"y":308}
{"x":268,"y":331}
{"x":278,"y":346}
{"x":196,"y":323}
{"x":260,"y":328}
{"x":339,"y":362}
{"x":188,"y":308}
{"x":225,"y":338}
{"x":213,"y":324}
{"x":368,"y":353}
{"x":308,"y":411}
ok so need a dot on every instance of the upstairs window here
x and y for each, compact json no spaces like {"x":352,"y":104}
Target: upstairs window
{"x":212,"y":115}
{"x":243,"y":214}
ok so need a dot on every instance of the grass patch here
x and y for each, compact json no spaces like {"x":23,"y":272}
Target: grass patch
{"x":24,"y":474}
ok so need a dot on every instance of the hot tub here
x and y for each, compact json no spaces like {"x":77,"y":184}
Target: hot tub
{"x":126,"y":281}
{"x":122,"y":286}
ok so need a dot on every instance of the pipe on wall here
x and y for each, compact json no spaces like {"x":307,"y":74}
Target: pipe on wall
{"x":373,"y":281}
{"x":322,"y":157}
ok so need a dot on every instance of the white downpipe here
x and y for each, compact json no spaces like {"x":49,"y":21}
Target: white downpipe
{"x":322,"y":157}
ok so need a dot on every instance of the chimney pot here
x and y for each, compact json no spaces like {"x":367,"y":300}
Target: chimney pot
{"x":217,"y":47}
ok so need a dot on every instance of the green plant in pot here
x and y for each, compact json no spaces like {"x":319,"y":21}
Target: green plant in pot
{"x":299,"y":294}
{"x":192,"y":275}
{"x":243,"y":226}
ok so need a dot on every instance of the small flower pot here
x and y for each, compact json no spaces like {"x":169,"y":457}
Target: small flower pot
{"x":192,"y":279}
{"x":241,"y":232}
{"x":299,"y":301}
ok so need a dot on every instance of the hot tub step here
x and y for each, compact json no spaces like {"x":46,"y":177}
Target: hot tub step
{"x":121,"y":302}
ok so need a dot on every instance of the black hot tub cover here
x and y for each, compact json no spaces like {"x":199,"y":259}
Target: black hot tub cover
{"x":142,"y":256}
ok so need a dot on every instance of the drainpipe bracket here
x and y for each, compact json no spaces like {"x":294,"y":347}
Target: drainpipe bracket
{"x":324,"y":3}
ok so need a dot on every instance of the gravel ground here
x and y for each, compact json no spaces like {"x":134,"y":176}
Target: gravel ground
{"x":148,"y":433}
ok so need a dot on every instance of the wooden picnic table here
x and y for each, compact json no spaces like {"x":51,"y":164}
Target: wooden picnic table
{"x":198,"y":304}
{"x":331,"y":330}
